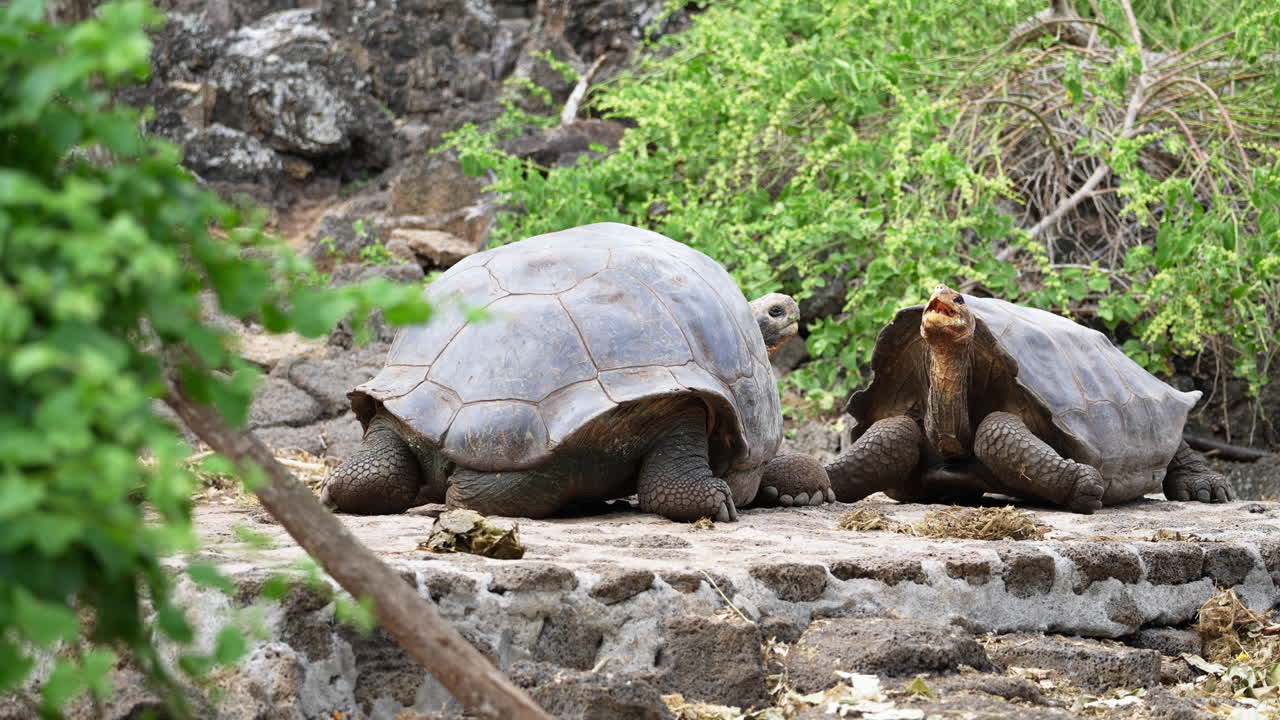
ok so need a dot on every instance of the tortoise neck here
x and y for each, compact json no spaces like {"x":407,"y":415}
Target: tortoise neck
{"x":946,"y":419}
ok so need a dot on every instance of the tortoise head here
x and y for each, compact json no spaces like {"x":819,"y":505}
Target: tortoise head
{"x":946,"y":320}
{"x":778,"y":316}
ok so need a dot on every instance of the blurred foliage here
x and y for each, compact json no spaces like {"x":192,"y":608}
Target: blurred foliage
{"x":109,"y":253}
{"x":862,"y":148}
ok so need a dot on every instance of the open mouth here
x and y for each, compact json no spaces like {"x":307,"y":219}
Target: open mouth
{"x":939,"y":307}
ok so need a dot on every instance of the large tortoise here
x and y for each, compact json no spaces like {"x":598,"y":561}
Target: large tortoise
{"x":609,"y":360}
{"x":972,"y":395}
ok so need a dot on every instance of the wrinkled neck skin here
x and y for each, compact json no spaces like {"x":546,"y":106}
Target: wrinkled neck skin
{"x":946,"y":419}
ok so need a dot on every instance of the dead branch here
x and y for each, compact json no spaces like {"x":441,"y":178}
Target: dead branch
{"x":570,"y":112}
{"x":1127,"y":128}
{"x":1226,"y":116}
{"x":410,"y":619}
{"x":1226,"y":451}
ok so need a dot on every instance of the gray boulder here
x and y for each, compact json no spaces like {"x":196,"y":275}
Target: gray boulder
{"x":286,"y":80}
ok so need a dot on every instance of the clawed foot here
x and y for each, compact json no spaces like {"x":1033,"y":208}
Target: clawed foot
{"x":1086,"y":496}
{"x":1201,"y":486}
{"x":770,"y":495}
{"x":794,"y":480}
{"x":689,"y":502}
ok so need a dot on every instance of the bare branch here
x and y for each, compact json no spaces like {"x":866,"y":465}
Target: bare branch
{"x":1222,"y":110}
{"x":570,"y":112}
{"x":1127,"y":128}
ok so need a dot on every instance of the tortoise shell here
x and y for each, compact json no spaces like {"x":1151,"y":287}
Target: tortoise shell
{"x":1069,"y":384}
{"x":534,"y":345}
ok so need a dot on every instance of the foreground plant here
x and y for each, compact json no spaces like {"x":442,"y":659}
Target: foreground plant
{"x":107,"y":247}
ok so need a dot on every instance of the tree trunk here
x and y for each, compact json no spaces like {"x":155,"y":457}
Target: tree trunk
{"x":411,"y":620}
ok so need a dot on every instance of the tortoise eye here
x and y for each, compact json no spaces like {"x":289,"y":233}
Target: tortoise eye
{"x":776,"y":311}
{"x":959,"y":299}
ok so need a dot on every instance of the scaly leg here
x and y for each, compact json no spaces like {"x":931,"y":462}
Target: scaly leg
{"x":1028,"y":467}
{"x":884,"y":458}
{"x":675,"y":476}
{"x":381,"y":477}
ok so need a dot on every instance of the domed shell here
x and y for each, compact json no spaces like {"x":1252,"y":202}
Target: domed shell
{"x":1103,"y":409}
{"x":534,"y":342}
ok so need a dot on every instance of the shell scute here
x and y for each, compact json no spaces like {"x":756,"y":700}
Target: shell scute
{"x":524,"y":350}
{"x":451,"y":296}
{"x":624,"y":323}
{"x":497,"y":435}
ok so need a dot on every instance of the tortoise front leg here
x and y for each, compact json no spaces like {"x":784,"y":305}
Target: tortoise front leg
{"x":675,"y":475}
{"x":1028,"y":467}
{"x":381,"y":477}
{"x":1190,"y":478}
{"x":884,"y":458}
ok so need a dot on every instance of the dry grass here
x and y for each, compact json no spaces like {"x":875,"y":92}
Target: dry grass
{"x":1229,"y":628}
{"x":866,"y":519}
{"x":1006,"y":523}
{"x":964,"y":523}
{"x":218,"y":485}
{"x":703,"y":523}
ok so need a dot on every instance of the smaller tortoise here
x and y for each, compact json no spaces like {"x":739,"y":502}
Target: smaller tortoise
{"x":974,"y":395}
{"x":610,"y":361}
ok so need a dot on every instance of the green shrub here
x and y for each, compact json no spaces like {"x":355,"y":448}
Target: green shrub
{"x":106,"y":246}
{"x":848,"y":141}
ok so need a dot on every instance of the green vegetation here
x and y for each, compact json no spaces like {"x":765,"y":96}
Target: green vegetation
{"x":107,"y":249}
{"x":881,"y":147}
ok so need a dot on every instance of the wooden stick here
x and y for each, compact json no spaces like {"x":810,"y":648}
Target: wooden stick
{"x":411,"y":620}
{"x":1226,"y":451}
{"x":570,"y":112}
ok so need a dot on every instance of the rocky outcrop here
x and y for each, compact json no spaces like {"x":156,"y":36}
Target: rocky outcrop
{"x":344,"y":104}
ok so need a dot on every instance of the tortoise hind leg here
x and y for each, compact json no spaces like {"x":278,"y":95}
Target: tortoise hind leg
{"x":381,"y":477}
{"x":1028,"y":467}
{"x":884,"y":458}
{"x":793,"y":479}
{"x":675,"y":475}
{"x":1190,"y":478}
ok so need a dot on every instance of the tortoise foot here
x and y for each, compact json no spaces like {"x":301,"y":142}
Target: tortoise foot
{"x":690,"y":501}
{"x":794,"y":480}
{"x":1086,"y":496}
{"x":1190,"y":478}
{"x":1207,"y":486}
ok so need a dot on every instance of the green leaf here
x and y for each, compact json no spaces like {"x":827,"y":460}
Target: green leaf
{"x":14,"y":666}
{"x":18,"y":496}
{"x":316,"y":312}
{"x":98,"y":664}
{"x":276,"y":587}
{"x":44,"y":623}
{"x":23,"y":11}
{"x":358,"y":615}
{"x":206,"y":575}
{"x":173,"y":623}
{"x":63,"y":684}
{"x":230,"y":646}
{"x":119,"y":132}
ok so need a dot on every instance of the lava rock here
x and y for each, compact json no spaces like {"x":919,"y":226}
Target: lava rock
{"x":712,"y":659}
{"x":1093,"y":665}
{"x":879,"y":646}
